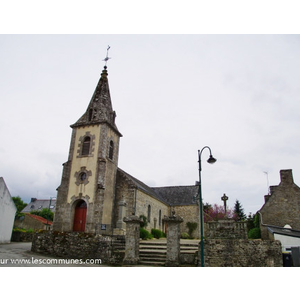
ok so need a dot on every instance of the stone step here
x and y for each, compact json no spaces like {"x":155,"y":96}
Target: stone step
{"x":153,"y":253}
{"x":152,"y":263}
{"x":153,"y":258}
{"x":164,"y":247}
{"x":146,"y":247}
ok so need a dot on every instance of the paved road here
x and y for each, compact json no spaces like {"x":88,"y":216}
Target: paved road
{"x":20,"y":255}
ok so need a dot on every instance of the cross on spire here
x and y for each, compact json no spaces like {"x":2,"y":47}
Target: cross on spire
{"x":106,"y":58}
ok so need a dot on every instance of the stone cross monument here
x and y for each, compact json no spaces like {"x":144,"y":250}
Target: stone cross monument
{"x":224,"y":198}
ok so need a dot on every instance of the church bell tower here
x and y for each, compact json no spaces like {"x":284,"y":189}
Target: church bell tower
{"x":85,"y":197}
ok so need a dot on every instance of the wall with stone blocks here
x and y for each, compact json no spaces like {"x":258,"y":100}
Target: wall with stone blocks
{"x":79,"y":245}
{"x":241,"y":253}
{"x":282,"y":206}
{"x":143,"y":201}
{"x":189,"y":213}
{"x":137,"y":203}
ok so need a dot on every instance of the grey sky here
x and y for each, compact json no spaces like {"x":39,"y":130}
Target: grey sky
{"x":173,"y":94}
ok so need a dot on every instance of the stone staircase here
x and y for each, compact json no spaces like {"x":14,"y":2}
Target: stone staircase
{"x":154,"y":252}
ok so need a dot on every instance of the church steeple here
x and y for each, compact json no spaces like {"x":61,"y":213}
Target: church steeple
{"x":85,"y":198}
{"x":100,"y":108}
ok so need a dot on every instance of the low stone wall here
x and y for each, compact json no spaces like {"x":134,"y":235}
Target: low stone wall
{"x":241,"y":253}
{"x":189,"y":259}
{"x":79,"y":245}
{"x":226,"y":229}
{"x":18,"y":236}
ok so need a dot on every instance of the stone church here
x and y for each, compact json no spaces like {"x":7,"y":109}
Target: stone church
{"x":95,"y":194}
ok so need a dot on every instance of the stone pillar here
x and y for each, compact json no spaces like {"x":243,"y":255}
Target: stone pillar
{"x":122,"y":213}
{"x":132,"y":240}
{"x":173,"y":240}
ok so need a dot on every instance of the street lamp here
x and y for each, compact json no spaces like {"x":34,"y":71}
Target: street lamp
{"x":211,"y":160}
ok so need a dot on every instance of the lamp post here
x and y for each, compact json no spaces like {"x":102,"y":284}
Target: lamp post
{"x":210,"y":160}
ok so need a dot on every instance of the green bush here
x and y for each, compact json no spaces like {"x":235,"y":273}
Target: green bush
{"x":192,"y":227}
{"x":46,"y":213}
{"x":17,"y":229}
{"x":144,"y":221}
{"x":157,"y":233}
{"x":145,"y":234}
{"x":185,"y":235}
{"x":254,"y":233}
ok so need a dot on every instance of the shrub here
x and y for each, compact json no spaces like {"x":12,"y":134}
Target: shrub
{"x":254,"y":233}
{"x":145,"y":234}
{"x":46,"y":213}
{"x":17,"y":229}
{"x":185,"y":235}
{"x":144,"y":221}
{"x":191,"y":226}
{"x":157,"y":233}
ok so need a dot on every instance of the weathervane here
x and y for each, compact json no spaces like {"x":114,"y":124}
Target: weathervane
{"x":107,"y":58}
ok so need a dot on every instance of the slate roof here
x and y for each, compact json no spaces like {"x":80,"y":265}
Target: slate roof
{"x":170,"y":195}
{"x":178,"y":195}
{"x":142,"y":186}
{"x":284,"y":231}
{"x":39,"y":204}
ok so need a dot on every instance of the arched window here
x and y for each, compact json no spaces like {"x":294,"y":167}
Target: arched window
{"x":111,"y":150}
{"x":149,"y":213}
{"x":86,"y":146}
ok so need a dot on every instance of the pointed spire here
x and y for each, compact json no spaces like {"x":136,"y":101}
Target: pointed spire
{"x":100,"y":108}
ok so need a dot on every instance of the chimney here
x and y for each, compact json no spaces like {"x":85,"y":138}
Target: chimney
{"x":286,"y":177}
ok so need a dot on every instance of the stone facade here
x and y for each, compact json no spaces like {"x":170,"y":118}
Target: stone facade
{"x":189,"y":213}
{"x":140,"y":200}
{"x":89,"y":175}
{"x":242,"y":253}
{"x":184,"y":201}
{"x":282,"y":206}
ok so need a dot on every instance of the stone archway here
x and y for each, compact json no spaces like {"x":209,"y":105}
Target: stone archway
{"x":80,"y":216}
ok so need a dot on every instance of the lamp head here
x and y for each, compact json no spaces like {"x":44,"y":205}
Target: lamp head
{"x":211,"y":160}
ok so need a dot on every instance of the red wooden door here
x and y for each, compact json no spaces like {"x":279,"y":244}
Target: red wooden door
{"x":80,"y":217}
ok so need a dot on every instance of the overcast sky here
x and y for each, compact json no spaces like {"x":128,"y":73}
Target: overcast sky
{"x":173,"y":94}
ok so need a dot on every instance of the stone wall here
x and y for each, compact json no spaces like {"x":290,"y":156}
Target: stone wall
{"x":30,"y":223}
{"x":143,"y":201}
{"x":228,"y":229}
{"x":189,"y":213}
{"x":241,"y":253}
{"x":18,"y":236}
{"x":79,"y":245}
{"x":137,"y":203}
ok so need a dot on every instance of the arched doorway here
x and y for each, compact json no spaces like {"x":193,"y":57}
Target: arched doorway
{"x":80,"y":216}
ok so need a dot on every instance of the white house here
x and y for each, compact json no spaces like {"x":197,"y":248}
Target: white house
{"x":286,"y":235}
{"x":7,"y":213}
